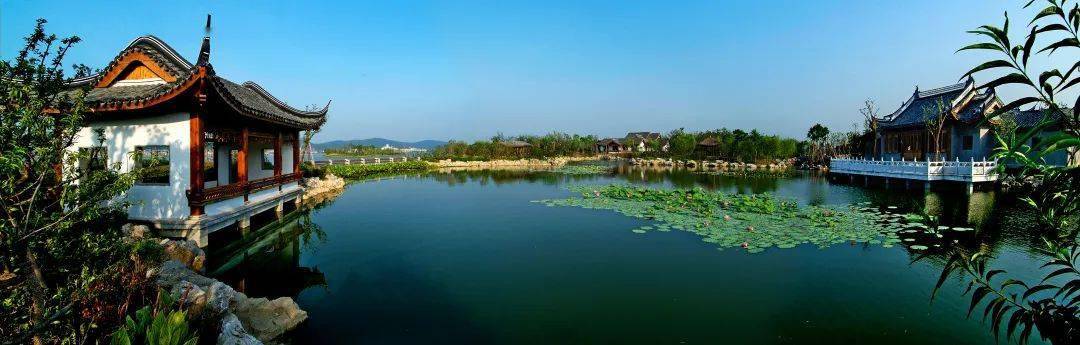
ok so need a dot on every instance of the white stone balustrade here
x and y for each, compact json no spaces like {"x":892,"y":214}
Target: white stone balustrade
{"x":961,"y":171}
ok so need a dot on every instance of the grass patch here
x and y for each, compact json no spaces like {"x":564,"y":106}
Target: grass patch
{"x":360,"y":171}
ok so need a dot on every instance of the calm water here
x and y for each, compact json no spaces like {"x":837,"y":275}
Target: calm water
{"x":465,"y":258}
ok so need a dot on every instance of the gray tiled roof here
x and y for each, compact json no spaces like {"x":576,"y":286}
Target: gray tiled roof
{"x":252,"y":100}
{"x":1031,"y":117}
{"x":248,"y":99}
{"x":915,"y":111}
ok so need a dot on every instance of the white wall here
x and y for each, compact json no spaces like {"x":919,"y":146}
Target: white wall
{"x":286,"y":158}
{"x":122,"y":136}
{"x":255,"y":170}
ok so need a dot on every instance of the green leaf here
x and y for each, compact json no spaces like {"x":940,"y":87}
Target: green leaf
{"x":1037,"y":289}
{"x":1016,"y":104}
{"x":986,"y":46}
{"x":1048,"y":11}
{"x":1027,"y":45}
{"x":1057,"y":273}
{"x":1065,"y":42}
{"x":1052,"y":27}
{"x":987,"y":65}
{"x":1011,"y":78}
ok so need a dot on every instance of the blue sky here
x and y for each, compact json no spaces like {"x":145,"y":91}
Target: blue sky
{"x":412,"y":70}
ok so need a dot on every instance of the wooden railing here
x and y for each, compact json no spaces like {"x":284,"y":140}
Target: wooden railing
{"x":965,"y":171}
{"x":232,"y":190}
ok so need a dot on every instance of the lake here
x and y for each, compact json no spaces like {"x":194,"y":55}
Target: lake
{"x":467,"y":257}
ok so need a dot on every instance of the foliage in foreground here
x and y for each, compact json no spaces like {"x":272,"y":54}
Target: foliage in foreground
{"x":164,"y":324}
{"x":65,"y":274}
{"x":752,"y":221}
{"x":359,"y":171}
{"x":1051,"y":305}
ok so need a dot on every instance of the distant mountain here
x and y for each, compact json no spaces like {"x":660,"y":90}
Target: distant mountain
{"x":378,"y":142}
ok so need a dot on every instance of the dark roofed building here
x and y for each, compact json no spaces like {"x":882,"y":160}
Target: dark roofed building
{"x":708,"y":147}
{"x":639,"y":141}
{"x":518,"y":146}
{"x":904,"y":134}
{"x":967,"y":133}
{"x":609,"y":145}
{"x":221,"y":150}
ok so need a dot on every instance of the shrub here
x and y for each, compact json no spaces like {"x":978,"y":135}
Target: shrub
{"x":312,"y":170}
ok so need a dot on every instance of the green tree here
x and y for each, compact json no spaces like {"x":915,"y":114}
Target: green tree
{"x":59,"y":235}
{"x":817,"y":134}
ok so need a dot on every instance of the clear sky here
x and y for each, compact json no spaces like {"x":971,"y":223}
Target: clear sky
{"x":413,"y":70}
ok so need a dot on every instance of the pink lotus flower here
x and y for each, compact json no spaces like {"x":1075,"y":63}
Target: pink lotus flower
{"x":745,"y":245}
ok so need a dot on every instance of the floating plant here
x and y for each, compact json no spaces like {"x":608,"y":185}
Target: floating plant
{"x":584,"y":169}
{"x":752,"y":221}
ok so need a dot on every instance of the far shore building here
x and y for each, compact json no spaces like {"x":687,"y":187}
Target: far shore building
{"x":609,"y":145}
{"x":966,"y":135}
{"x":518,"y":146}
{"x":641,"y":141}
{"x":218,"y":152}
{"x":708,"y":147}
{"x":904,"y":147}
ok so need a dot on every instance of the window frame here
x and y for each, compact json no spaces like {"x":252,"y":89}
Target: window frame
{"x":139,"y":164}
{"x":267,"y":165}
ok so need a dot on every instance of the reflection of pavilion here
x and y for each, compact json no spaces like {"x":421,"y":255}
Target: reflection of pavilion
{"x":266,"y":262}
{"x":976,"y":209}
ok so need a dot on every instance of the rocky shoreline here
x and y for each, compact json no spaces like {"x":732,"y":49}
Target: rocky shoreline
{"x":546,"y":162}
{"x":317,"y":190}
{"x":238,"y":318}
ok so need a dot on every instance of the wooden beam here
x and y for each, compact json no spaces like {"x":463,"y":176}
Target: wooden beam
{"x":241,"y":157}
{"x":197,"y":152}
{"x":277,"y":155}
{"x":296,"y":153}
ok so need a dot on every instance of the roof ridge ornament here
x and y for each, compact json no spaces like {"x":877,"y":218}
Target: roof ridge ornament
{"x":204,"y":51}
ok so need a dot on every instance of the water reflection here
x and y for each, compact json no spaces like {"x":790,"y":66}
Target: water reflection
{"x":443,"y":255}
{"x":266,"y":262}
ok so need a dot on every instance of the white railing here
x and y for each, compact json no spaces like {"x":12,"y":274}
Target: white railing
{"x":964,"y":171}
{"x":375,"y":160}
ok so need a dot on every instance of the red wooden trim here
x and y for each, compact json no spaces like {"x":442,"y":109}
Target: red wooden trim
{"x":210,"y":195}
{"x":241,"y":165}
{"x":134,"y":56}
{"x":197,"y":147}
{"x":296,"y":154}
{"x":197,"y":153}
{"x":277,"y":155}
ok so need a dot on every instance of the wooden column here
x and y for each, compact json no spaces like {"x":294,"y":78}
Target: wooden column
{"x":197,"y":153}
{"x":277,"y":159}
{"x":277,"y":154}
{"x":296,"y":153}
{"x":241,"y":157}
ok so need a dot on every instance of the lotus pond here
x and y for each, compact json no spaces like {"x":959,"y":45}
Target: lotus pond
{"x":624,"y":254}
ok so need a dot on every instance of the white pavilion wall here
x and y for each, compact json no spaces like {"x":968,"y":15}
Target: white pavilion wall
{"x":150,"y":201}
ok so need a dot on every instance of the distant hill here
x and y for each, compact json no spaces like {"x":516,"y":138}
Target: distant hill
{"x":378,"y":142}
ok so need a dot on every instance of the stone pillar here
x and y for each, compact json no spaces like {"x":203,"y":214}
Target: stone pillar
{"x":970,"y":188}
{"x":199,"y":236}
{"x":244,"y":223}
{"x":279,"y":210}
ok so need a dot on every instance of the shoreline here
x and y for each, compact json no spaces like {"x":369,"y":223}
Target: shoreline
{"x":524,"y":162}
